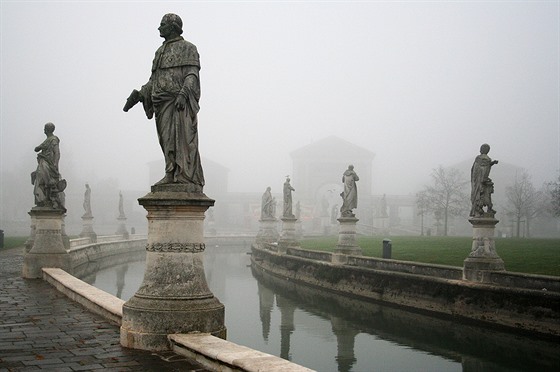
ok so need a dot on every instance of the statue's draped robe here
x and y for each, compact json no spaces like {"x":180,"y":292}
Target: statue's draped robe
{"x":47,"y":176}
{"x":480,"y":171}
{"x":266,"y":205}
{"x":175,"y":71}
{"x":288,"y":200}
{"x":350,"y":194}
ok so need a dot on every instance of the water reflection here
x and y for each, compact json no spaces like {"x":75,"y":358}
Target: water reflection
{"x":326,"y":332}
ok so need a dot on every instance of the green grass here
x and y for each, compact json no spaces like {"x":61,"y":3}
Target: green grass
{"x":14,"y":241}
{"x":531,"y":256}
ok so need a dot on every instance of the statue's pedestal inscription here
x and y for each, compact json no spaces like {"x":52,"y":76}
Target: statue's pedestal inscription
{"x":483,"y":256}
{"x":267,"y":231}
{"x":174,"y":296}
{"x":347,"y":243}
{"x":48,"y":246}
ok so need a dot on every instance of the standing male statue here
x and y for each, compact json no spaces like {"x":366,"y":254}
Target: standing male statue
{"x":481,"y":185}
{"x":48,"y":184}
{"x":350,"y":193}
{"x":173,"y":93}
{"x":288,"y":199}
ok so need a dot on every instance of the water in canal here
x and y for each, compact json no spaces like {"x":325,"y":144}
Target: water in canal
{"x":326,"y":332}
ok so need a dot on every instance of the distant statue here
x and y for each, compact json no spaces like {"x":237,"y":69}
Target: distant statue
{"x":298,"y":210}
{"x":334,"y":214}
{"x":273,"y":207}
{"x":173,"y":93}
{"x":288,"y":199}
{"x":350,"y":193}
{"x":481,"y":185}
{"x":266,"y":205}
{"x":324,"y":207}
{"x":48,"y":184}
{"x":87,"y":202}
{"x":121,"y":206}
{"x":383,"y":208}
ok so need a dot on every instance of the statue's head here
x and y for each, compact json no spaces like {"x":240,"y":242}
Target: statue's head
{"x":485,"y":149}
{"x":173,"y":21}
{"x":49,"y":128}
{"x":268,"y":188}
{"x":351,"y":167}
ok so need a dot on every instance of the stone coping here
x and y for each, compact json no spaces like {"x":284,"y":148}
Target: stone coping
{"x":212,"y":352}
{"x":215,"y":353}
{"x":93,"y":299}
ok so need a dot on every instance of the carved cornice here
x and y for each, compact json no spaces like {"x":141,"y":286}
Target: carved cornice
{"x":176,"y":247}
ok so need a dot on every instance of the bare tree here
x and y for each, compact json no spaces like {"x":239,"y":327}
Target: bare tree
{"x":524,"y":201}
{"x":422,"y":204}
{"x":447,"y":196}
{"x":553,"y":190}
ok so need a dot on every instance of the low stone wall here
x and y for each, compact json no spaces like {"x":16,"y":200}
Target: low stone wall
{"x":437,"y":289}
{"x":210,"y":351}
{"x":109,"y":252}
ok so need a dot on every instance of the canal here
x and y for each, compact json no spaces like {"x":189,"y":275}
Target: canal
{"x":327,"y":332}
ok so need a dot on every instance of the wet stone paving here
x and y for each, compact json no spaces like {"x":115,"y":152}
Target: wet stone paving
{"x":41,"y":329}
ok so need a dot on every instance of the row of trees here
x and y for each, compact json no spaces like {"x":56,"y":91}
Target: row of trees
{"x":448,"y":196}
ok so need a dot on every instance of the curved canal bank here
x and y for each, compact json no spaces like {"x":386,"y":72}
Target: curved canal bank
{"x":519,"y":306}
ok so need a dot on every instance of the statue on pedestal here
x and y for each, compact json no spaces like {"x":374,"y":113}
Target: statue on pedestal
{"x":87,"y":202}
{"x":288,"y":199}
{"x":266,"y":205}
{"x":173,"y":93}
{"x":350,"y":193}
{"x":48,"y":183}
{"x":482,"y":186}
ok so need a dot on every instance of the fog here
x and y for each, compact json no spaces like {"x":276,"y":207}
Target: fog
{"x":420,"y":84}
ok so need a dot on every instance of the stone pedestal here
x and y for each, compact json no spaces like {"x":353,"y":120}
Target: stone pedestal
{"x":267,"y":231}
{"x":347,"y":243}
{"x":174,"y":296}
{"x":288,"y":236}
{"x":483,"y":257}
{"x":31,"y":240}
{"x":48,"y":247}
{"x":122,"y":228}
{"x":87,"y":229}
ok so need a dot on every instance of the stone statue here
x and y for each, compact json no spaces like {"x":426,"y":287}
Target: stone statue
{"x":48,"y":184}
{"x":121,"y":207}
{"x":288,"y":199}
{"x":266,"y":205}
{"x":298,"y":210}
{"x":350,"y":193}
{"x":173,"y":93}
{"x":383,"y":207}
{"x":481,"y":185}
{"x":334,"y":214}
{"x":273,"y":206}
{"x":324,"y":207}
{"x":87,"y":202}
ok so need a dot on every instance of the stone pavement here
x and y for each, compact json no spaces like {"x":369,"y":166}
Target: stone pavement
{"x":41,"y":329}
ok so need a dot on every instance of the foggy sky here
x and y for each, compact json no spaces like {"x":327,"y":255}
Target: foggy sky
{"x":420,"y":84}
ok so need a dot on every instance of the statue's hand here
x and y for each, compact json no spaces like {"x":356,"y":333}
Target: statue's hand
{"x":180,"y":102}
{"x":133,"y":99}
{"x":37,"y":149}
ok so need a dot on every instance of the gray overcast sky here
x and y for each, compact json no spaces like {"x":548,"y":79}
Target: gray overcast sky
{"x":419,"y":83}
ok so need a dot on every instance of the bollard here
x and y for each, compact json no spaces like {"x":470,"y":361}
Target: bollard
{"x":1,"y":238}
{"x":387,"y":246}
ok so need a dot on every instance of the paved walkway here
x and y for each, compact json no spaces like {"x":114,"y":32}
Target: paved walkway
{"x":41,"y":329}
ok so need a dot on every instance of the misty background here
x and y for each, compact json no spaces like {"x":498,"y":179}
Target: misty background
{"x":418,"y":83}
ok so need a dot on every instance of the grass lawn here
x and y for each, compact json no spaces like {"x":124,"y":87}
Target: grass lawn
{"x":532,"y":256}
{"x":13,"y":241}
